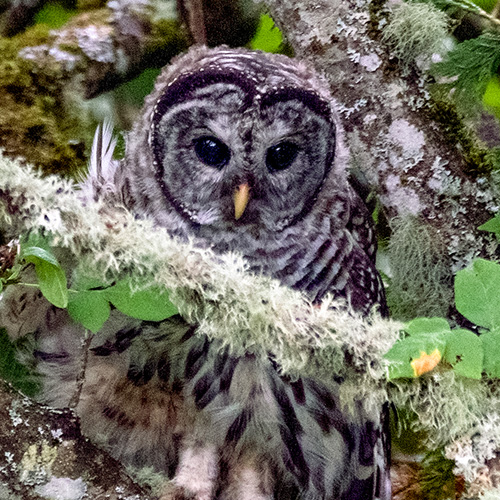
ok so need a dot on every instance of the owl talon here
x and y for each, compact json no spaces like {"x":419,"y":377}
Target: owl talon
{"x":176,"y":492}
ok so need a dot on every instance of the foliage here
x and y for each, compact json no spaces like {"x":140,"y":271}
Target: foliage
{"x":491,"y":97}
{"x":430,"y":342}
{"x":478,"y":7}
{"x":134,"y":91}
{"x":471,"y":65}
{"x":89,"y":302}
{"x":267,"y":37}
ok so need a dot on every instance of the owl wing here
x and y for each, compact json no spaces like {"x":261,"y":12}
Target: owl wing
{"x":230,"y":422}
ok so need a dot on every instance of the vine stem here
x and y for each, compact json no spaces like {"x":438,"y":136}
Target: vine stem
{"x":475,"y":9}
{"x":84,"y":358}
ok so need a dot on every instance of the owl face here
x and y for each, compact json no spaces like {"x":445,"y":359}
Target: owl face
{"x":238,"y":142}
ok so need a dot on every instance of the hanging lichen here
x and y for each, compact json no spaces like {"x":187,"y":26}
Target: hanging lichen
{"x":420,"y":282}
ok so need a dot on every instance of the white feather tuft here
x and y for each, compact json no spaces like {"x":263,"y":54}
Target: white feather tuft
{"x":100,"y":179}
{"x":103,"y":147}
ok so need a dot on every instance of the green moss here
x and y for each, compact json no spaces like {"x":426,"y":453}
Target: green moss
{"x":376,"y":10}
{"x":437,"y":479}
{"x":97,"y":17}
{"x":90,"y":4}
{"x":20,"y":376}
{"x":478,"y":160}
{"x":54,"y":15}
{"x":34,"y":123}
{"x":35,"y":35}
{"x":168,"y":38}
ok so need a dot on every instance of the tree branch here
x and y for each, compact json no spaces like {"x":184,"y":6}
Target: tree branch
{"x":43,"y":452}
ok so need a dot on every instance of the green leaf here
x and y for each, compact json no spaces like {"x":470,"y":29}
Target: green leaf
{"x":486,"y":5}
{"x":427,"y":325}
{"x":471,"y":64}
{"x":268,"y":37}
{"x":150,"y":304}
{"x":491,"y":97}
{"x":82,"y":281}
{"x":90,"y":308}
{"x":406,"y":350}
{"x":477,"y":293}
{"x":491,"y":349}
{"x":52,"y":282}
{"x":35,"y":249}
{"x":464,"y":351}
{"x":35,"y":252}
{"x":493,"y":225}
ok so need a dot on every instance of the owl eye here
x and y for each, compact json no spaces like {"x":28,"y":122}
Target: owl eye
{"x":281,"y":156}
{"x":211,"y":151}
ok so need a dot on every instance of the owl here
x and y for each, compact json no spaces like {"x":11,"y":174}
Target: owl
{"x":239,"y":151}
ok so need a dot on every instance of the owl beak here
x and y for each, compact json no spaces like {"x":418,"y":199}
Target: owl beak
{"x":241,"y":197}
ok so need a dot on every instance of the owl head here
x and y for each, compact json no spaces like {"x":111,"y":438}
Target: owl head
{"x":234,"y":138}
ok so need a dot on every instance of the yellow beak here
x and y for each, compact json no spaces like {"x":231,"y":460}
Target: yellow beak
{"x":241,"y":197}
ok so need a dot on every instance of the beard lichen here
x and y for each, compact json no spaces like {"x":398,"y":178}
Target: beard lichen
{"x":415,"y":30}
{"x":421,"y":281}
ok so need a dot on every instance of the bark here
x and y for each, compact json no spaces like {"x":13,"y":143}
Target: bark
{"x":415,"y":166}
{"x":40,"y":444}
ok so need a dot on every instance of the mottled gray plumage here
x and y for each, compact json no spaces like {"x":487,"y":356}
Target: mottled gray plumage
{"x":221,"y":121}
{"x":303,"y":225}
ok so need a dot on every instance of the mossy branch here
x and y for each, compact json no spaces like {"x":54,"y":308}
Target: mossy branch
{"x":248,"y":312}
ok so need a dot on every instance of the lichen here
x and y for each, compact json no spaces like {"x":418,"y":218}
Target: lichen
{"x":416,"y":30}
{"x":406,"y":136}
{"x":493,"y":494}
{"x":63,"y":488}
{"x":447,"y":406}
{"x":420,"y":282}
{"x":472,"y":451}
{"x":403,"y":197}
{"x":148,"y":476}
{"x":371,"y":62}
{"x":249,"y":314}
{"x":36,"y":463}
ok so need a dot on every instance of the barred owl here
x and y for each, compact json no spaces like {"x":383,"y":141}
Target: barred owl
{"x":238,"y":151}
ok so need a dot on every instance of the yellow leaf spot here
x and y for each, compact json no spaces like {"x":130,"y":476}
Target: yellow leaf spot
{"x":426,"y":362}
